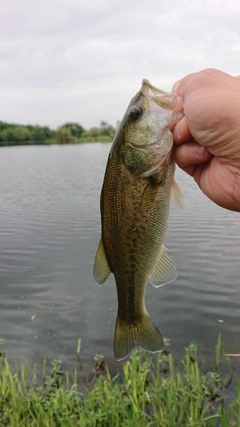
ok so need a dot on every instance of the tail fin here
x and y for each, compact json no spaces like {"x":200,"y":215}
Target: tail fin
{"x":143,"y":334}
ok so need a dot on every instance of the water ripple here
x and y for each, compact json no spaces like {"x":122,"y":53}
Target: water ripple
{"x":49,"y":231}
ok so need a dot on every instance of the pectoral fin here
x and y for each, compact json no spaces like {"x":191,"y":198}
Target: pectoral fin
{"x":101,"y":269}
{"x":176,"y":196}
{"x":164,"y":270}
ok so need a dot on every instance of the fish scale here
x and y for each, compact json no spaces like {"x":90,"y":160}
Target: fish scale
{"x":135,"y":200}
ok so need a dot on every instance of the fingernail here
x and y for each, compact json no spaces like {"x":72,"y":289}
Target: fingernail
{"x":177,"y":134}
{"x":175,"y":86}
{"x":200,"y":150}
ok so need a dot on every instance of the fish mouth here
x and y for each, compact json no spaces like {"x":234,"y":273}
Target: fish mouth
{"x":166,"y":100}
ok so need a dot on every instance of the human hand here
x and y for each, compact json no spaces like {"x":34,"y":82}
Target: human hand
{"x":207,"y":138}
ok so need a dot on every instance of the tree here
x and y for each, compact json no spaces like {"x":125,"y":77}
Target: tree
{"x":8,"y":134}
{"x":64,"y":136}
{"x":75,"y":128}
{"x":21,"y":133}
{"x":107,"y":130}
{"x":92,"y":132}
{"x":103,"y":126}
{"x":3,"y":125}
{"x":49,"y":133}
{"x":37,"y":133}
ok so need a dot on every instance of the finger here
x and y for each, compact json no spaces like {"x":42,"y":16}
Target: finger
{"x":181,"y":86}
{"x":175,"y":86}
{"x":181,"y":132}
{"x":189,"y":155}
{"x":198,"y":80}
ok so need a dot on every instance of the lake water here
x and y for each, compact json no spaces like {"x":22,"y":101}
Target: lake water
{"x":49,"y":232}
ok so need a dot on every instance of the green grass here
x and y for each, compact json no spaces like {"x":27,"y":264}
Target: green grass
{"x":145,"y":393}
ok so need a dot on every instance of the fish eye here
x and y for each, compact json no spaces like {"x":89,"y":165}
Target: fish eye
{"x":136,"y":113}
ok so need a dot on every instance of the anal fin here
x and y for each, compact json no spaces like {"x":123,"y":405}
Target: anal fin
{"x":164,"y":270}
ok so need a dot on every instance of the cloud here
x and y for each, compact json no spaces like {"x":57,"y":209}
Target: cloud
{"x":62,"y":60}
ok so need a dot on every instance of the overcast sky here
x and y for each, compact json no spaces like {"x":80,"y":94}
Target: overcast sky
{"x":83,"y":60}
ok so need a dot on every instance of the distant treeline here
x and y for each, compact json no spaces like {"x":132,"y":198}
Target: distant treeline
{"x":15,"y":134}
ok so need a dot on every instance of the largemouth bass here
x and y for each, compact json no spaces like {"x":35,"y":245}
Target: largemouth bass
{"x":135,"y":198}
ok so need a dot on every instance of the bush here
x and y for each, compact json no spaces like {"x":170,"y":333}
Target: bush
{"x":64,"y":136}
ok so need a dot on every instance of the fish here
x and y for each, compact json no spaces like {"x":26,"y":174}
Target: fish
{"x":134,"y":203}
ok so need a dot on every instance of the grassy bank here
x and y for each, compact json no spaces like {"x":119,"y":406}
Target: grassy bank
{"x":145,"y":393}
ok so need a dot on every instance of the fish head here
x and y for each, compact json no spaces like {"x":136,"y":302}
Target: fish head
{"x":144,"y":137}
